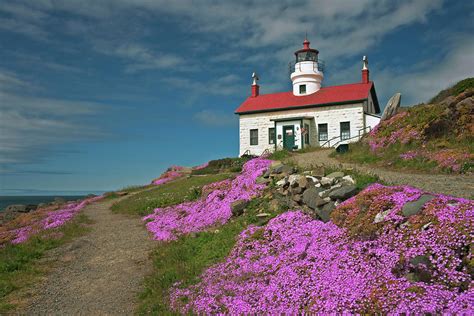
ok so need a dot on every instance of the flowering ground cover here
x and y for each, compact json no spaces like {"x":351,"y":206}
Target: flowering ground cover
{"x":372,"y":257}
{"x":19,"y":263}
{"x":22,"y":228}
{"x":170,"y":222}
{"x":170,"y":174}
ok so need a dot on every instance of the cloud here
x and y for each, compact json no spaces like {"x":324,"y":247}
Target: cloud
{"x":216,"y":119}
{"x":420,"y":82}
{"x":30,"y":127}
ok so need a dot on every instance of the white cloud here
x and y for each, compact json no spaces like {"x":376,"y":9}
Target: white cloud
{"x":215,"y":119}
{"x":420,"y":82}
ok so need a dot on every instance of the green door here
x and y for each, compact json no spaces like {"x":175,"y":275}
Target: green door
{"x":289,"y":137}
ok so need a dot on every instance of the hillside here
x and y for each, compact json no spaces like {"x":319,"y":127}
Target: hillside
{"x":428,"y":137}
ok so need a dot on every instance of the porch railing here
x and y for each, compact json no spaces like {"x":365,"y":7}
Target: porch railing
{"x":337,"y":140}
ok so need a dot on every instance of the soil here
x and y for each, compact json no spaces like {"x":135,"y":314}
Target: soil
{"x":456,"y":185}
{"x":100,"y":273}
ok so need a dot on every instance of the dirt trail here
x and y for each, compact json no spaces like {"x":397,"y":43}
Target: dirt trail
{"x":99,"y":273}
{"x":457,"y":185}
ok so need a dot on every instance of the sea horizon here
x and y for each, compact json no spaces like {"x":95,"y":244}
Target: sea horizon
{"x":6,"y":200}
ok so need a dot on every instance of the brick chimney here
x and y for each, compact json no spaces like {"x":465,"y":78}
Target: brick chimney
{"x":365,"y":70}
{"x":255,"y":86}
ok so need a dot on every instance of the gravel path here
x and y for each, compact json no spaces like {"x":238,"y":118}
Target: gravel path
{"x":457,"y":185}
{"x":99,"y":273}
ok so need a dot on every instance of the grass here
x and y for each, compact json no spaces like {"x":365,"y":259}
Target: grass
{"x":180,"y":190}
{"x":20,"y":266}
{"x":362,"y":179}
{"x":185,"y":259}
{"x":222,"y":165}
{"x":456,"y":89}
{"x":280,"y":154}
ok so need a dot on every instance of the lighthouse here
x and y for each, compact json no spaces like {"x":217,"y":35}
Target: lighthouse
{"x":307,"y":73}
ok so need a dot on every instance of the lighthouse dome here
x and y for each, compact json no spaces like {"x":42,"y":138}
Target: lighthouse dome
{"x":307,"y":73}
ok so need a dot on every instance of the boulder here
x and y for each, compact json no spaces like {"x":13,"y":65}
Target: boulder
{"x":297,"y":198}
{"x":313,"y":179}
{"x":348,"y":179}
{"x":16,"y":208}
{"x":282,"y":183}
{"x":343,"y":192}
{"x":380,"y":217}
{"x":326,"y":182}
{"x":238,"y":207}
{"x":297,"y":190}
{"x":414,"y":207}
{"x":392,"y":106}
{"x":275,"y":164}
{"x":335,"y":175}
{"x":292,"y":179}
{"x":302,"y":182}
{"x":311,"y":197}
{"x":324,"y":213}
{"x":318,"y":172}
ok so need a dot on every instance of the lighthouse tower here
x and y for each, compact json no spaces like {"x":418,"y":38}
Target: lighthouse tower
{"x":307,"y":74}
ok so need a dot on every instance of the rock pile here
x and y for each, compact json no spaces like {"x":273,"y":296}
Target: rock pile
{"x":312,"y":191}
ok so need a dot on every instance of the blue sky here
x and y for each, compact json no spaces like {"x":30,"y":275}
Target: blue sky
{"x":97,"y":95}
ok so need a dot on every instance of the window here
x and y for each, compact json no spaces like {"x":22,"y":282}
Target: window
{"x":271,"y":136}
{"x":253,"y":137}
{"x":323,"y":132}
{"x":345,"y":130}
{"x":302,"y":89}
{"x":306,"y":134}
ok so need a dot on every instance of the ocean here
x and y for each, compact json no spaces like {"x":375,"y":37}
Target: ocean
{"x":34,"y":199}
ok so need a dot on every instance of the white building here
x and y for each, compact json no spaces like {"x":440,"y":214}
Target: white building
{"x":310,"y":115}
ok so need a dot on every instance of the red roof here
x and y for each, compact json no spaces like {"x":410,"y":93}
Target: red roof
{"x":324,"y":96}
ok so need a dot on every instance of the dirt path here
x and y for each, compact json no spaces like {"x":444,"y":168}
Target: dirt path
{"x":99,"y":273}
{"x":457,"y":185}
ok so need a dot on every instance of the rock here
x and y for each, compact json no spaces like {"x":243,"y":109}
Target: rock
{"x":318,"y":172}
{"x":31,"y":207}
{"x":326,"y":182}
{"x":335,"y":175}
{"x":275,"y":164}
{"x":414,"y":207}
{"x":348,"y":179}
{"x":263,"y":215}
{"x":16,"y":208}
{"x":292,"y":179}
{"x":343,"y":193}
{"x":449,"y":101}
{"x":297,"y":198}
{"x":421,"y":259}
{"x":297,"y":190}
{"x":282,"y":182}
{"x":238,"y":207}
{"x":267,"y":174}
{"x":392,"y":106}
{"x":262,"y":180}
{"x":380,"y":217}
{"x":311,"y":197}
{"x":314,"y":179}
{"x":302,"y":182}
{"x":121,"y":193}
{"x":42,"y":205}
{"x":325,"y":212}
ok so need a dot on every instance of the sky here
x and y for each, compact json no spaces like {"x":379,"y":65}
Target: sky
{"x":98,"y":95}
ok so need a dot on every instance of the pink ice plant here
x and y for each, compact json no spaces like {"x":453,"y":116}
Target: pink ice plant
{"x":53,"y":219}
{"x":298,"y":265}
{"x":204,"y":165}
{"x":170,"y":222}
{"x":167,"y":177}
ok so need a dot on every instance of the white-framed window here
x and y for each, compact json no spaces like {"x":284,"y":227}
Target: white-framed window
{"x":271,"y":136}
{"x":322,"y":132}
{"x":345,"y":130}
{"x":254,"y":137}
